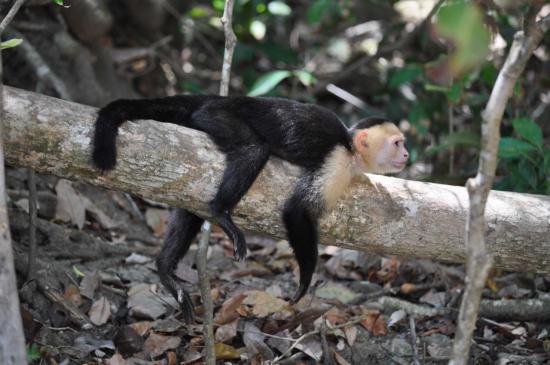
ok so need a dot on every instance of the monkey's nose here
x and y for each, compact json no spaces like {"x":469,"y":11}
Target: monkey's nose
{"x":406,"y":155}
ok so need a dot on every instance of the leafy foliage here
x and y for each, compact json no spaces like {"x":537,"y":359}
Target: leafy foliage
{"x":438,"y":84}
{"x":14,"y":42}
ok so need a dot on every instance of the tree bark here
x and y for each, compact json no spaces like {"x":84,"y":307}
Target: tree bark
{"x":181,"y":167}
{"x":12,"y":338}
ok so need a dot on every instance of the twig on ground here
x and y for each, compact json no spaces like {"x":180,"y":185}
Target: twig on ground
{"x":390,"y":303}
{"x":412,"y":326}
{"x":324,"y":343}
{"x":516,"y":309}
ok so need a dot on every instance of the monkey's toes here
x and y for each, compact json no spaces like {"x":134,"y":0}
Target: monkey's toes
{"x":186,"y":306}
{"x":240,"y":251}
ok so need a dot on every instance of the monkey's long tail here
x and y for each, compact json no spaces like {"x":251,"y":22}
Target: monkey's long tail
{"x":175,"y":110}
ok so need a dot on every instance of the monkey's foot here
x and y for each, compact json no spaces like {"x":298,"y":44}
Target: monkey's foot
{"x":240,"y":249}
{"x":172,"y":283}
{"x":186,"y":305}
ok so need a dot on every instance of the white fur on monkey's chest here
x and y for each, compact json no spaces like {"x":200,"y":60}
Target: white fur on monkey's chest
{"x":335,"y":176}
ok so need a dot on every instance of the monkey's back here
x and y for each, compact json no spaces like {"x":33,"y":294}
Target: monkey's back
{"x":285,"y":125}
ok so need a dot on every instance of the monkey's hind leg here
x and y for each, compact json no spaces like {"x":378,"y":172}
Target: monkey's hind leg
{"x":243,"y":165}
{"x":183,"y":227}
{"x":301,"y":225}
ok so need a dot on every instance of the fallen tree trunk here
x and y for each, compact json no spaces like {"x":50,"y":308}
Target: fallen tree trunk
{"x":181,"y":167}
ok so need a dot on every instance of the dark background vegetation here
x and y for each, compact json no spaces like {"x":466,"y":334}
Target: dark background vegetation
{"x":357,"y":58}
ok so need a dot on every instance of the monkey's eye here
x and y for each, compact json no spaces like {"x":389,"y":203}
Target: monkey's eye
{"x":396,"y":143}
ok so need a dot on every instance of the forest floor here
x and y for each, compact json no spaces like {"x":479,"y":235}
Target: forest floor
{"x":96,"y":297}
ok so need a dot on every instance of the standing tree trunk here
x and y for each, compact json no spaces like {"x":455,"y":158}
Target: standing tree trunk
{"x":12,"y":340}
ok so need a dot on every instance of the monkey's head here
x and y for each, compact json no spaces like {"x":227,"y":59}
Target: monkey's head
{"x":380,"y":146}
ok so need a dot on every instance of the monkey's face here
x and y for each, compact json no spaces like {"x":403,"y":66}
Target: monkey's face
{"x":381,"y":149}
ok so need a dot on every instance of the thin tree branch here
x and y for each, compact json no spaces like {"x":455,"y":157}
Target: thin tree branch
{"x":479,"y":260}
{"x":201,"y":259}
{"x":11,"y":14}
{"x":12,"y":339}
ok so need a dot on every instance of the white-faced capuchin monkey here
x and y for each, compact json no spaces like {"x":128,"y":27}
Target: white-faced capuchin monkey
{"x":248,"y":131}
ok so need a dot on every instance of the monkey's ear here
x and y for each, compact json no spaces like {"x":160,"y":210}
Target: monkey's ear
{"x":360,"y":141}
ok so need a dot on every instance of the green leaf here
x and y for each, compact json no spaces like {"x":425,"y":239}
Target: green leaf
{"x":404,"y":75}
{"x":258,"y":29}
{"x":58,"y":2}
{"x":267,"y":82}
{"x":33,"y":353}
{"x":199,"y":12}
{"x":318,"y":9}
{"x":436,"y":88}
{"x":14,"y":42}
{"x":528,"y":174}
{"x":455,"y":93}
{"x":306,"y":78}
{"x":547,"y":163}
{"x":528,"y":130}
{"x":77,"y":272}
{"x":462,"y":24}
{"x":511,"y":147}
{"x":279,"y":8}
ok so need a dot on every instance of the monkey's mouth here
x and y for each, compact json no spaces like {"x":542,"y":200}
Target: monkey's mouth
{"x":400,"y":164}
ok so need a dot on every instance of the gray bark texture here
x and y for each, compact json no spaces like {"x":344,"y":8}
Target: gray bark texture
{"x":182,"y":167}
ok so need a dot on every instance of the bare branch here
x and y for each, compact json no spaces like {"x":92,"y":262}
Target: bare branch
{"x":230,"y":42}
{"x":202,"y":267}
{"x":11,"y":14}
{"x":12,"y":339}
{"x":479,"y":259}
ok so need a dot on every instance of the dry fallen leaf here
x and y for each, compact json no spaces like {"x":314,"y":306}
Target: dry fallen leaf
{"x":263,"y":304}
{"x":388,"y":270}
{"x":72,"y":294}
{"x":226,"y":332}
{"x":70,"y":205}
{"x":336,"y":316}
{"x":142,"y":328}
{"x":228,"y":311}
{"x":116,"y":359}
{"x":128,"y":341}
{"x":340,"y":360}
{"x":156,"y":220}
{"x":158,"y":344}
{"x":226,"y":352}
{"x":375,"y":323}
{"x":89,"y":284}
{"x":351,"y":334}
{"x":100,"y":312}
{"x":380,"y":328}
{"x":172,"y":358}
{"x":408,"y":288}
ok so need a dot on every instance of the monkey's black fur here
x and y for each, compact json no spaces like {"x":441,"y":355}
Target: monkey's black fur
{"x":248,"y":130}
